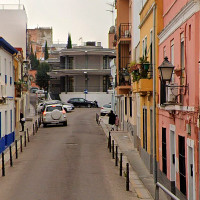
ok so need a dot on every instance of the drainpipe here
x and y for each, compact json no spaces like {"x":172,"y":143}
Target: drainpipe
{"x":154,"y":100}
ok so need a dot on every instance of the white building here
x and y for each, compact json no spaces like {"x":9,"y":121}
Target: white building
{"x":13,"y":25}
{"x":7,"y":95}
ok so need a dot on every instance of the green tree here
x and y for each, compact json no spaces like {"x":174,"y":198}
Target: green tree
{"x":69,"y":42}
{"x":42,"y":78}
{"x":46,"y":53}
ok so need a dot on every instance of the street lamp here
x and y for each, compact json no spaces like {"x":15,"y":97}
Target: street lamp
{"x":25,"y":78}
{"x":166,"y":70}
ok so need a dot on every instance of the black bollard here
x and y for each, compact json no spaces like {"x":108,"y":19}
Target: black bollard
{"x":16,"y":151}
{"x":109,"y":140}
{"x":113,"y":149}
{"x":21,"y":143}
{"x":120,"y":165}
{"x":11,"y":160}
{"x":25,"y":138}
{"x":110,"y":143}
{"x":127,"y":177}
{"x":33,"y":130}
{"x":28,"y":135}
{"x":3,"y":164}
{"x":116,"y":156}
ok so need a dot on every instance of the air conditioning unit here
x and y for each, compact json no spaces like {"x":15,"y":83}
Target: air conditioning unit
{"x":172,"y":93}
{"x":127,"y":33}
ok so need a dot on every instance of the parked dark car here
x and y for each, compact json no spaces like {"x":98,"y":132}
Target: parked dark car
{"x":81,"y":102}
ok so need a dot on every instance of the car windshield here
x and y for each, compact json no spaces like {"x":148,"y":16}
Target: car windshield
{"x":51,"y":108}
{"x":107,"y":106}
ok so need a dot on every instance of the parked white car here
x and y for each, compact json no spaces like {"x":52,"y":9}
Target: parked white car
{"x":54,"y":114}
{"x":40,"y":93}
{"x":105,"y":109}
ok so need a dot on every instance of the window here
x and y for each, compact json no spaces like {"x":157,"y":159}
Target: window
{"x":145,"y":43}
{"x":182,"y":171}
{"x":130,"y":99}
{"x":164,"y":151}
{"x":172,"y":57}
{"x":162,"y":92}
{"x":5,"y":70}
{"x":164,"y":51}
{"x":105,"y":83}
{"x":190,"y":32}
{"x":125,"y":105}
{"x":70,"y":62}
{"x":11,"y":121}
{"x":182,"y":51}
{"x":145,"y":128}
{"x":105,"y":62}
{"x":51,"y":108}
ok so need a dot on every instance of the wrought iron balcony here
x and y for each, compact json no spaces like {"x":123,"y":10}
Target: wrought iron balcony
{"x":125,"y":30}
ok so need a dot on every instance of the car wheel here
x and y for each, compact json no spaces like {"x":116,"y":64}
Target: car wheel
{"x":65,"y":123}
{"x":89,"y":106}
{"x":44,"y":125}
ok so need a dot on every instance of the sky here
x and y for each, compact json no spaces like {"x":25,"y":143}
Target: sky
{"x":86,"y":19}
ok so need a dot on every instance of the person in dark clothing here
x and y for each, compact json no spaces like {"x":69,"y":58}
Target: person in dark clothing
{"x":22,"y":121}
{"x":111,"y":120}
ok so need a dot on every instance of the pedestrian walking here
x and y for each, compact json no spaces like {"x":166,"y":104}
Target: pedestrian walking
{"x":22,"y":121}
{"x":116,"y":122}
{"x":111,"y":120}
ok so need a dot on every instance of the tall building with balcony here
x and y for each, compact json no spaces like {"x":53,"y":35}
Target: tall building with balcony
{"x":83,"y":71}
{"x":123,"y":58}
{"x":145,"y":79}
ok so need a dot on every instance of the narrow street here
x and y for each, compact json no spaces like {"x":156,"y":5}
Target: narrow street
{"x":66,"y":163}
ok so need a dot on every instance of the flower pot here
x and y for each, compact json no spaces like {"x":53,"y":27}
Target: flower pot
{"x":146,"y":66}
{"x":178,"y":72}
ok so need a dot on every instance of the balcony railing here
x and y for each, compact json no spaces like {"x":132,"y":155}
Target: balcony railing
{"x":125,"y":30}
{"x":124,"y":78}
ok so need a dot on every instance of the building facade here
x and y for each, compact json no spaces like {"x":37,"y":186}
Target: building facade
{"x":14,"y":28}
{"x":83,"y":71}
{"x":7,"y":95}
{"x":179,"y":102}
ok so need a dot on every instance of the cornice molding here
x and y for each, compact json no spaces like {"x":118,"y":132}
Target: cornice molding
{"x":186,"y":12}
{"x":147,"y":15}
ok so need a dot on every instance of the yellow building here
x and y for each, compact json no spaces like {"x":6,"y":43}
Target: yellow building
{"x":150,"y":25}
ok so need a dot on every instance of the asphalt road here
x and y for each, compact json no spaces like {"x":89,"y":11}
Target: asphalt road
{"x":66,"y":163}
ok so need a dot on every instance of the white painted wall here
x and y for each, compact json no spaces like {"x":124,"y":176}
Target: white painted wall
{"x":101,"y":97}
{"x":13,"y":28}
{"x":6,"y":68}
{"x":137,"y":5}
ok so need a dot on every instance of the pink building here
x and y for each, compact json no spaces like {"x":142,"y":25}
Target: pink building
{"x":179,"y":106}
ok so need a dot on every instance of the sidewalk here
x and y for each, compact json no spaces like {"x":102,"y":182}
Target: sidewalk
{"x":141,"y":180}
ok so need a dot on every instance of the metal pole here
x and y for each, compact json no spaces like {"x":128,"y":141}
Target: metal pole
{"x":11,"y":161}
{"x":110,"y":143}
{"x":116,"y":156}
{"x":3,"y":165}
{"x":120,"y":168}
{"x":33,"y":130}
{"x":25,"y":138}
{"x":113,"y":149}
{"x":21,"y":143}
{"x":127,"y":177}
{"x":28,"y":135}
{"x":109,"y":140}
{"x":16,"y":151}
